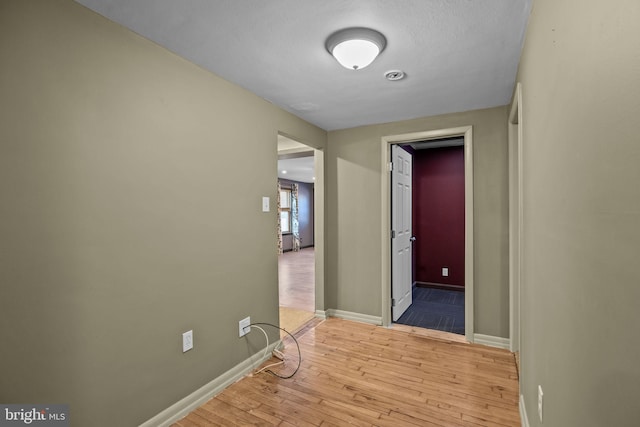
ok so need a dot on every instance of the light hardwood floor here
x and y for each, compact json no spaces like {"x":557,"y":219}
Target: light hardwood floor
{"x":296,"y":283}
{"x":364,"y":375}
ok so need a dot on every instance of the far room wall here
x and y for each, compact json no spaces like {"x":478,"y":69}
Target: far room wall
{"x":438,"y":215}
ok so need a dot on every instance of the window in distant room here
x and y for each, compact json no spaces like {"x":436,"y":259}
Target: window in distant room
{"x":285,"y":210}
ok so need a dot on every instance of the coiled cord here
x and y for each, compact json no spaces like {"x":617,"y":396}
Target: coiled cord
{"x":266,"y":368}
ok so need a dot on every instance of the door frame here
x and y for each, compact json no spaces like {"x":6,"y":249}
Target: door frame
{"x":386,"y":142}
{"x":515,"y":217}
{"x":318,"y":223}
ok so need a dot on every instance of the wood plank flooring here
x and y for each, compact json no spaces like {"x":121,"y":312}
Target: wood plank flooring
{"x":296,"y":279}
{"x":364,"y":375}
{"x":296,"y":283}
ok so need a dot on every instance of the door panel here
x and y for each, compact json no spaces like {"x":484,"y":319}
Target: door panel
{"x":401,"y":251}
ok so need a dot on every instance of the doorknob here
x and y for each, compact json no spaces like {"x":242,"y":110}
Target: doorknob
{"x":412,"y":238}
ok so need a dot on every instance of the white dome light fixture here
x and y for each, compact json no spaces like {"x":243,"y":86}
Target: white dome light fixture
{"x":355,"y":48}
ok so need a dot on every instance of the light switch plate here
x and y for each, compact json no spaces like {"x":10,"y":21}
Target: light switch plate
{"x":187,"y":341}
{"x":265,"y":204}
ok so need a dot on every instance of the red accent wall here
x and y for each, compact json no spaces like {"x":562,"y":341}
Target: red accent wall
{"x":438,"y":214}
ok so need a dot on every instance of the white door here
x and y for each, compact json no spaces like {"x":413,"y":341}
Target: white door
{"x":401,"y":237}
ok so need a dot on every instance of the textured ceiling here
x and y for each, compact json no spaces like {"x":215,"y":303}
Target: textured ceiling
{"x":458,"y":55}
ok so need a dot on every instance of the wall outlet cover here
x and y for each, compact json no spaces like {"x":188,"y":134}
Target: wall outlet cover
{"x":243,"y":326}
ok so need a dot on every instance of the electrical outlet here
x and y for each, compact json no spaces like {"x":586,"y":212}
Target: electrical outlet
{"x":540,"y":396}
{"x":445,"y":271}
{"x":187,"y":341}
{"x":243,"y":326}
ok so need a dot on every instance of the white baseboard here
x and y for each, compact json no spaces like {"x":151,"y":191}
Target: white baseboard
{"x":321,"y":314}
{"x":356,"y":317}
{"x":523,"y":413}
{"x":492,"y":341}
{"x":196,"y":399}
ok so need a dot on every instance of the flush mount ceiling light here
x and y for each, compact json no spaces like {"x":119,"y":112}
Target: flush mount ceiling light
{"x":355,"y":48}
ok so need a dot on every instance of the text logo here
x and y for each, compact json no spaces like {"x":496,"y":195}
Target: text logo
{"x":34,"y":415}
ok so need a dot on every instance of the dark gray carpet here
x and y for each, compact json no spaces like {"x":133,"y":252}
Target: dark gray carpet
{"x":436,"y":309}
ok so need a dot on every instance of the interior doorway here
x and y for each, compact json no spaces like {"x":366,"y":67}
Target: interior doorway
{"x":435,"y":266}
{"x":296,"y":228}
{"x":466,"y":134}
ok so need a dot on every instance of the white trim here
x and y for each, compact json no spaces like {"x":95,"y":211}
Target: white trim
{"x":322,"y":314}
{"x":523,"y":413}
{"x":516,"y":209}
{"x":385,"y":270}
{"x":318,"y":228}
{"x":492,"y":341}
{"x":468,"y":234}
{"x":356,"y":317}
{"x":196,"y":399}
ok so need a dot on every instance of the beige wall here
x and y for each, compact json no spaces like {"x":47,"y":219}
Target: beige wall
{"x":580,"y":74}
{"x":120,"y":228}
{"x":354,"y":224}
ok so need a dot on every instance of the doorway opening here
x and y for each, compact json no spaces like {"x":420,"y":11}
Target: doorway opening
{"x":297,"y":237}
{"x":437,"y":228}
{"x":446,"y":280}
